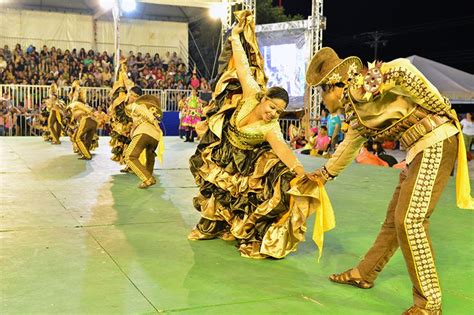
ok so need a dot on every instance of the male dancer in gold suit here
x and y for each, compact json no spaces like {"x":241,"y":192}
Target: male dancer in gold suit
{"x":394,"y":100}
{"x":56,"y":108}
{"x":146,"y":135}
{"x":83,"y":115}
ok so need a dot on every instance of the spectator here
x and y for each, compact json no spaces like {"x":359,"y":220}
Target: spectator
{"x":321,"y":142}
{"x":299,"y":141}
{"x":46,"y":66}
{"x":467,"y":125}
{"x":166,"y":60}
{"x":3,"y":62}
{"x":323,"y":119}
{"x":7,"y":53}
{"x":195,"y":83}
{"x":334,"y":124}
{"x":379,"y":151}
{"x":366,"y":157}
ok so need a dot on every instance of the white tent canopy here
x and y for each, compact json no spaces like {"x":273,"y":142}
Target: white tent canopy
{"x":455,"y":84}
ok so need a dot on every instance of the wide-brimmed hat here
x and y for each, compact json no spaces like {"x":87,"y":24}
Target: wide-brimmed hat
{"x":149,"y":101}
{"x":53,"y":90}
{"x":327,"y":67}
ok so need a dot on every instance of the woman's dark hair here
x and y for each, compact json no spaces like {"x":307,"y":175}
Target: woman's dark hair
{"x":137,"y":90}
{"x":278,"y":92}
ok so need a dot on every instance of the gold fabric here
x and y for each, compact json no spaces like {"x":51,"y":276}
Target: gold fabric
{"x":283,"y":236}
{"x":464,"y":199}
{"x":230,"y":75}
{"x":405,"y":98}
{"x":407,"y":223}
{"x":306,"y":199}
{"x":79,"y":110}
{"x":141,"y":145}
{"x":257,"y":64}
{"x":85,"y":134}
{"x":418,"y":242}
{"x":144,"y":122}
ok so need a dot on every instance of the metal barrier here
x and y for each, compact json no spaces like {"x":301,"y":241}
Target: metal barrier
{"x":20,"y":105}
{"x":285,"y":124}
{"x":29,"y":124}
{"x":31,"y":96}
{"x":172,"y":98}
{"x":19,"y":124}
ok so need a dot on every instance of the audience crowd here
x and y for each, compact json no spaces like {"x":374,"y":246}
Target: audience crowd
{"x":94,"y":69}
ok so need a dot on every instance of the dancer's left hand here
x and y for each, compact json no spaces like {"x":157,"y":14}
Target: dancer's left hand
{"x":316,"y":177}
{"x":239,"y":28}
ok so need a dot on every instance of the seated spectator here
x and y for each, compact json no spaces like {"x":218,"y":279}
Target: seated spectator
{"x":299,"y":141}
{"x":106,"y":76}
{"x":195,"y":83}
{"x":44,"y":67}
{"x":389,"y":145}
{"x":378,"y":150}
{"x":3,"y":62}
{"x":366,"y":157}
{"x":157,"y":61}
{"x":319,"y":144}
{"x":166,"y":60}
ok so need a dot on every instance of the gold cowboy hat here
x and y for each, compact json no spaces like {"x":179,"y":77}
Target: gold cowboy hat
{"x":327,"y":67}
{"x":82,"y":97}
{"x":150,"y":101}
{"x":53,"y":90}
{"x":122,"y":82}
{"x":75,"y":84}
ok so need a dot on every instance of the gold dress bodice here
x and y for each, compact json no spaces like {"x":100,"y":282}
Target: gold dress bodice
{"x":251,"y":135}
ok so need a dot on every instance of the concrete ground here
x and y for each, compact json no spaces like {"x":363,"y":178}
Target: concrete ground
{"x":78,"y":237}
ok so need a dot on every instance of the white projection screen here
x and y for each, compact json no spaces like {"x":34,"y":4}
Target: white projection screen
{"x":285,"y":51}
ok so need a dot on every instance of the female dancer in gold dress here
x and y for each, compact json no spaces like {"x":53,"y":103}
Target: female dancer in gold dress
{"x":243,"y":167}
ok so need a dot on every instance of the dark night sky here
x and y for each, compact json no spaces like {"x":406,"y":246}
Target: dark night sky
{"x":439,"y":30}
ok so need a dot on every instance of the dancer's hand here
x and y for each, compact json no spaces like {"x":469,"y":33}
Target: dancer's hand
{"x":299,"y":170}
{"x":239,"y":28}
{"x":316,"y":177}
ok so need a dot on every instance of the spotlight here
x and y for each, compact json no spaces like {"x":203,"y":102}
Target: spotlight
{"x":128,"y":5}
{"x":107,"y":4}
{"x":218,"y":11}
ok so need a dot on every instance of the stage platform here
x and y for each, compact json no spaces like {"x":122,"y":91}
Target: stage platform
{"x":78,"y":237}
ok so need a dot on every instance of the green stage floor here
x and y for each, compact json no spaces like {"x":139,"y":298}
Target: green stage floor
{"x":78,"y":237}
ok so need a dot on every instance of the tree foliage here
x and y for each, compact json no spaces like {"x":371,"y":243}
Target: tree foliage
{"x":268,"y":13}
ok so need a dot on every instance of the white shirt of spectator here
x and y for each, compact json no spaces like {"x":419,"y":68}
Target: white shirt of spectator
{"x":467,"y":127}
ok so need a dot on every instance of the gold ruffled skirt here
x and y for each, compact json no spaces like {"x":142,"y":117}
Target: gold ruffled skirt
{"x":244,"y":194}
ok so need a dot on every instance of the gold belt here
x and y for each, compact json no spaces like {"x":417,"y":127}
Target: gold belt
{"x":421,"y":128}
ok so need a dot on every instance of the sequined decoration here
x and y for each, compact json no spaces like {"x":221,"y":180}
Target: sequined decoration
{"x":417,"y":240}
{"x":334,"y":78}
{"x":373,"y":80}
{"x":426,"y":97}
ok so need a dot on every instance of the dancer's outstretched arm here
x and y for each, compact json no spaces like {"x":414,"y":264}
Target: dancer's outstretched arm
{"x":250,"y":87}
{"x":284,"y":153}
